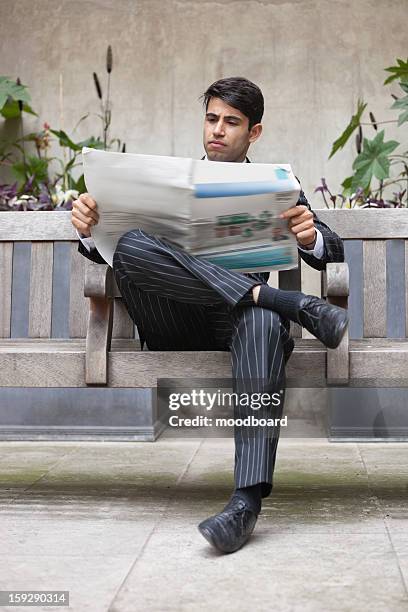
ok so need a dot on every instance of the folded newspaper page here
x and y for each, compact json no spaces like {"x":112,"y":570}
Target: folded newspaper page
{"x":224,"y":212}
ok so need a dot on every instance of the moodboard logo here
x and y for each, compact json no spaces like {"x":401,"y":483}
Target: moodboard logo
{"x":220,"y":407}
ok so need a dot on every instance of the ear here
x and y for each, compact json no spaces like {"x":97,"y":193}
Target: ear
{"x":255,"y":132}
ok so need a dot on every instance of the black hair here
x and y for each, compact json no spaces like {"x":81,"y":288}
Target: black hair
{"x":239,"y":93}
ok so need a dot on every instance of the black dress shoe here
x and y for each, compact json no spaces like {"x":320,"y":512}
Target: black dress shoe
{"x":231,"y":528}
{"x":325,"y":321}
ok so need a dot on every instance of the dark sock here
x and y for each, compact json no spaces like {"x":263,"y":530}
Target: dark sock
{"x":285,"y":303}
{"x":252,"y":496}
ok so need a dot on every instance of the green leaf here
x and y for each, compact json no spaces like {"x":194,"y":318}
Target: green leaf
{"x":33,"y":166}
{"x":80,"y":184}
{"x":398,"y":72}
{"x":354,"y":123}
{"x":29,"y":110}
{"x":401,"y":103}
{"x":19,"y":171}
{"x":403,"y":117}
{"x":92,"y":143}
{"x":373,"y":161}
{"x":70,"y":164}
{"x":65,"y":140}
{"x":11,"y":89}
{"x":11,"y":109}
{"x":346,"y":184}
{"x":361,"y":179}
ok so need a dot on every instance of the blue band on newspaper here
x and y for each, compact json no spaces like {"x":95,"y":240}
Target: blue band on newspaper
{"x":281,"y":173}
{"x":224,"y":190}
{"x":262,"y":258}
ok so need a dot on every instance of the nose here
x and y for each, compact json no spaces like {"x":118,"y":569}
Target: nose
{"x":219,"y":129}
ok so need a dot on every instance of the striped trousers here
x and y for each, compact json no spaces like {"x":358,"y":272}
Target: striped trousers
{"x":182,"y":302}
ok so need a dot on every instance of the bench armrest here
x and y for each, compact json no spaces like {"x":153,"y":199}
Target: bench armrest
{"x":336,"y":288}
{"x":336,"y":283}
{"x":100,"y":288}
{"x":99,"y":281}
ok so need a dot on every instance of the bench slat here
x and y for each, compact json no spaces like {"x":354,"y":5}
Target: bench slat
{"x":371,"y":362}
{"x":56,"y":345}
{"x":123,"y":326}
{"x":406,"y":288}
{"x":78,"y":303}
{"x":6,"y":274}
{"x":37,"y":225}
{"x":40,"y":308}
{"x":131,"y":368}
{"x":371,"y":224}
{"x":365,"y":223}
{"x":375,"y":289}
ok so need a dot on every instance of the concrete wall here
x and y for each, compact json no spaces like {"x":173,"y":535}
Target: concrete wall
{"x":313,"y":59}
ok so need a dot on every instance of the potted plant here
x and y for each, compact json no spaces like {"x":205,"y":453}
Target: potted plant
{"x":36,"y":184}
{"x":371,"y":184}
{"x":379,"y":181}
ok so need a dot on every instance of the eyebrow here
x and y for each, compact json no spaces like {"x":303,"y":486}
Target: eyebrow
{"x":226,"y":116}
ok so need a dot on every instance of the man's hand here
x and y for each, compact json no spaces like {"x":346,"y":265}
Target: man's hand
{"x":300,"y":223}
{"x":84,"y":214}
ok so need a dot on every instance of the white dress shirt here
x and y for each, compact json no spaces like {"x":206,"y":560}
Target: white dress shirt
{"x":88,"y":242}
{"x":317,"y":250}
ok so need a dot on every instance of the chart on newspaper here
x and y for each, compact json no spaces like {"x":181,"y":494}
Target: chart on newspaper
{"x":224,"y":212}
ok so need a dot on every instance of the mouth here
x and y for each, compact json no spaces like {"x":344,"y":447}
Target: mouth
{"x":216,"y":144}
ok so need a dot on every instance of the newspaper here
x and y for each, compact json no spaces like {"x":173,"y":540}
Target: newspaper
{"x":224,"y":212}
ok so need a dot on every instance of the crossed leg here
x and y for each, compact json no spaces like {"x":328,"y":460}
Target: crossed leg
{"x":180,"y":302}
{"x":260,"y":348}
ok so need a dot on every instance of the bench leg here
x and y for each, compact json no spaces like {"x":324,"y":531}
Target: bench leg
{"x":98,"y":340}
{"x":336,"y":288}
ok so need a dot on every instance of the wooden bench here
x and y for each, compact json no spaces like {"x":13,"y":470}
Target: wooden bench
{"x":373,"y":360}
{"x":87,"y":338}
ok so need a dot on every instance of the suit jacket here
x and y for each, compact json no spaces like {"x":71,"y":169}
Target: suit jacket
{"x":333,"y":246}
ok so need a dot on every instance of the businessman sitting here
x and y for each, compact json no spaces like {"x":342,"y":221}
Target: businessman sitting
{"x":182,"y":302}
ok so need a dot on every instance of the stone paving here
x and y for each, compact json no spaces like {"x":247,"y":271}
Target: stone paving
{"x":115,"y":524}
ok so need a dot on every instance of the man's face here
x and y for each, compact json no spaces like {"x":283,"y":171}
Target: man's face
{"x":226,"y":136}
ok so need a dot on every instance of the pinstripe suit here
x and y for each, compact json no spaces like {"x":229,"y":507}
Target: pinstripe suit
{"x":181,"y":302}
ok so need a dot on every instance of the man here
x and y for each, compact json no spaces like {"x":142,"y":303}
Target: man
{"x":181,"y":302}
